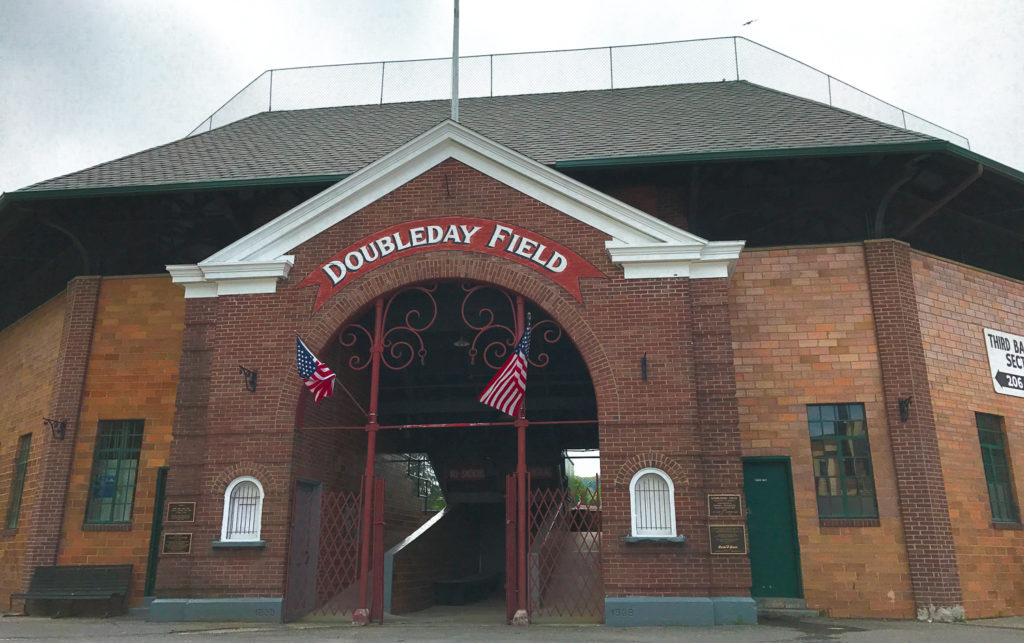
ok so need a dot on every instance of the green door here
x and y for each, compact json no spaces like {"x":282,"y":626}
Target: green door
{"x":774,"y":552}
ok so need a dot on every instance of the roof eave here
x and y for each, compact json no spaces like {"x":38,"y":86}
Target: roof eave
{"x":906,"y":147}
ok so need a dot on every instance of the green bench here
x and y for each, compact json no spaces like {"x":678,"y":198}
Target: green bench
{"x":79,"y":583}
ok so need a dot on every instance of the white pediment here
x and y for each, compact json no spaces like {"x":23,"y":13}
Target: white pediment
{"x":643,"y":245}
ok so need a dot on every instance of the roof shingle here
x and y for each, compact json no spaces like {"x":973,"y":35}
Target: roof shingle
{"x":729,"y":116}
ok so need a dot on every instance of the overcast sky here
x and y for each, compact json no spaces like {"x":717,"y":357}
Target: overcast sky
{"x":86,"y":81}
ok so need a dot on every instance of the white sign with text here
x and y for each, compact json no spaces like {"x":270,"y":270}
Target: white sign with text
{"x":1006,"y":361}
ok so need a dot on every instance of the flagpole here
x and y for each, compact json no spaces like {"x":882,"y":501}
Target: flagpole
{"x":522,"y":616}
{"x":455,"y":65}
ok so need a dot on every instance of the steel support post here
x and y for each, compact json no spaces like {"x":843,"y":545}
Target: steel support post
{"x":361,"y":615}
{"x":522,"y":616}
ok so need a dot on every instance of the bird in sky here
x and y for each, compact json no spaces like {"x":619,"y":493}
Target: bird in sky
{"x":749,"y":22}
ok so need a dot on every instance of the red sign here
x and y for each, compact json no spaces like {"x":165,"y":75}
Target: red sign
{"x":461,"y":234}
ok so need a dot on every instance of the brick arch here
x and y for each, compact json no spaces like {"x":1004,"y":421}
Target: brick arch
{"x":562,"y":307}
{"x":270,"y":483}
{"x":652,"y":460}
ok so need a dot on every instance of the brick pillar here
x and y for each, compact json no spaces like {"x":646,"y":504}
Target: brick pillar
{"x":922,"y":493}
{"x":47,"y":513}
{"x":188,"y":448}
{"x":721,"y":465}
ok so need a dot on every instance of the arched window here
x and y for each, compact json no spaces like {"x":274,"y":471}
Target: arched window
{"x":243,"y":510}
{"x":652,"y":503}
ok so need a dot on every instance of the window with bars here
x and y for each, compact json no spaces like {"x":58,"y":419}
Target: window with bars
{"x":843,"y":480}
{"x":652,"y":503}
{"x":997,"y":468}
{"x":243,"y":510}
{"x":115,"y":467}
{"x":18,"y":480}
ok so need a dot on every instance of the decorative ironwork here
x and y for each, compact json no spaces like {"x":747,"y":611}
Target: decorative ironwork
{"x":349,"y":337}
{"x":497,"y":338}
{"x":551,"y":334}
{"x":400,"y":342}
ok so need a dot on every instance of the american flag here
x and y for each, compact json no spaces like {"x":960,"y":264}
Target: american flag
{"x":318,"y":378}
{"x":507,"y":388}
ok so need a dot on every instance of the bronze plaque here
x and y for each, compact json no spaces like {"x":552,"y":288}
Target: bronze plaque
{"x":728,"y":539}
{"x":176,"y":544}
{"x":724,"y":505}
{"x":181,"y":511}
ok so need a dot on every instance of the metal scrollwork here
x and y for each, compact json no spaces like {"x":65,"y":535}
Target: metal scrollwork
{"x":551,"y":333}
{"x":416,"y":310}
{"x":493,"y":340}
{"x":349,"y":337}
{"x":496,"y":339}
{"x":402,"y":343}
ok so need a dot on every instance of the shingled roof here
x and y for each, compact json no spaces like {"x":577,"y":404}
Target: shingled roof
{"x":728,"y":116}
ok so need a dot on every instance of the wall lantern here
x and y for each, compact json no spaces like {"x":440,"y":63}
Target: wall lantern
{"x":904,"y":403}
{"x":57,"y":427}
{"x":250,"y":378}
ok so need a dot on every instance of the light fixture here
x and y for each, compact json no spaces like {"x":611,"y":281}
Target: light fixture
{"x":57,"y":427}
{"x":904,"y":403}
{"x":250,"y":378}
{"x":461,"y":342}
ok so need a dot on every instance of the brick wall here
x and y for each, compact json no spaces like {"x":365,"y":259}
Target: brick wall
{"x":931,"y":555}
{"x":441,"y":553}
{"x":954,"y":304}
{"x":657,"y":420}
{"x":803,"y":333}
{"x":132,"y":374}
{"x":42,"y":547}
{"x":28,"y":357}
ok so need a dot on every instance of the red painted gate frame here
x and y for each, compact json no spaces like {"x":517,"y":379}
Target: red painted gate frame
{"x":372,"y":540}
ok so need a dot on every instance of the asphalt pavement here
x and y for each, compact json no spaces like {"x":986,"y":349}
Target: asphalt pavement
{"x":113,"y":630}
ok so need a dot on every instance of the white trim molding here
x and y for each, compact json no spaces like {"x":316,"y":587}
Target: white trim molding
{"x":643,"y":245}
{"x":212,"y":279}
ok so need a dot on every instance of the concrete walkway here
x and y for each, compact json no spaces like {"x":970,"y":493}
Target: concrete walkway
{"x":114,"y":630}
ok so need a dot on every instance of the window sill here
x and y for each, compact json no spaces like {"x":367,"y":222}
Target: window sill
{"x":1013,"y":526}
{"x":654,"y":539}
{"x":238,"y":544}
{"x":113,"y":526}
{"x":849,"y":522}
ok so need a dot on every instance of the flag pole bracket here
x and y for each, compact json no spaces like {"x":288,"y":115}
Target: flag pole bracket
{"x":251,"y":377}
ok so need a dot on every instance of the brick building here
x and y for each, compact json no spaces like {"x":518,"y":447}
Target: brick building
{"x":790,"y":330}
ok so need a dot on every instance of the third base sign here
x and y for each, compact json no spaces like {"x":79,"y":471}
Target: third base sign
{"x":1006,"y":361}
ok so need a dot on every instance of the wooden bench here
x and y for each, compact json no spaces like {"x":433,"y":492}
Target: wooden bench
{"x":79,"y":583}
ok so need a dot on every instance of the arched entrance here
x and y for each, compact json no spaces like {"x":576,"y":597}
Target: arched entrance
{"x":410,"y":369}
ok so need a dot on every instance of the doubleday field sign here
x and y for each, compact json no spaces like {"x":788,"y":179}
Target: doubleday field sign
{"x":451,"y":233}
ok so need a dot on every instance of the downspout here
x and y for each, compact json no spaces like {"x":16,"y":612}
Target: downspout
{"x":909,"y":172}
{"x":952,"y":194}
{"x":82,"y":252}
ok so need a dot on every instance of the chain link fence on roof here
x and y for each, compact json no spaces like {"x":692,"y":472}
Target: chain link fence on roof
{"x":668,"y":63}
